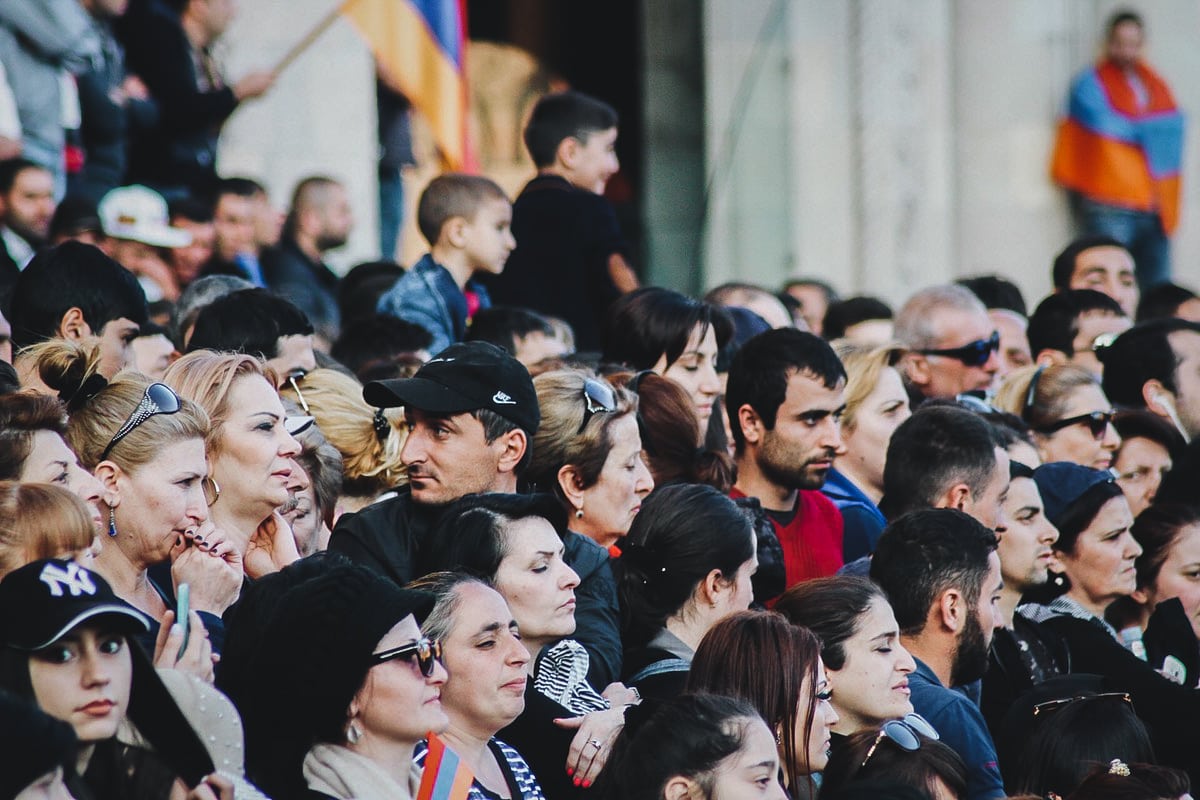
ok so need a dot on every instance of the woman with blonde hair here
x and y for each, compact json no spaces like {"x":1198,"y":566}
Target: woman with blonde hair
{"x":587,"y":451}
{"x":43,"y":521}
{"x":368,"y":438}
{"x":876,"y":404}
{"x":1071,"y":417}
{"x":250,"y":449}
{"x":146,"y":445}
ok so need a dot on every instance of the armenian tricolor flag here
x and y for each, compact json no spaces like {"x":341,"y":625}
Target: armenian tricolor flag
{"x":1121,"y":147}
{"x":445,"y":776}
{"x":423,"y":43}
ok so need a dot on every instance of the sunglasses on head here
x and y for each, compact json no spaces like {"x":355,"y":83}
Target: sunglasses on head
{"x":1057,"y":705}
{"x":293,"y":380}
{"x":905,"y":733}
{"x":427,"y":652}
{"x":157,"y":399}
{"x":972,"y":354}
{"x":1097,"y":422}
{"x":598,"y":397}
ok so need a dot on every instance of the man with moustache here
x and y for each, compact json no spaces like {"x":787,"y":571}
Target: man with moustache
{"x":785,"y":397}
{"x":472,"y":413}
{"x":941,"y":573}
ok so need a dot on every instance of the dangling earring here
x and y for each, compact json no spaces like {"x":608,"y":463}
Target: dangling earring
{"x":112,"y":522}
{"x":579,"y":513}
{"x":353,"y":734}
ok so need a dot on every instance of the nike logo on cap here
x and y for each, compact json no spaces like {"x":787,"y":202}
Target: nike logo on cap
{"x":501,"y":398}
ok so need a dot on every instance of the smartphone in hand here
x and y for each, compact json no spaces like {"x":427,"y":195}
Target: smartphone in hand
{"x":182,"y":617}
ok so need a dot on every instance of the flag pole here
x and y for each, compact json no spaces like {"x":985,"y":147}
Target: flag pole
{"x":312,"y":36}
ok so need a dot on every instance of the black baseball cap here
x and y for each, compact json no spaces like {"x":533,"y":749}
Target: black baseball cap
{"x":45,"y":600}
{"x":465,"y":377}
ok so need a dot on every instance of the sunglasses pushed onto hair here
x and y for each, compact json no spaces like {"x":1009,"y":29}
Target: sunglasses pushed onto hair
{"x":599,"y":398}
{"x":157,"y":399}
{"x":427,"y":653}
{"x":905,"y":733}
{"x":972,"y":354}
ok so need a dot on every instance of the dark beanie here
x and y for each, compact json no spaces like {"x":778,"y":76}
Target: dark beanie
{"x":312,"y":660}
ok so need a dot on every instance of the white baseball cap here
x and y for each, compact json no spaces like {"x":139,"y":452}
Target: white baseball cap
{"x":139,"y":214}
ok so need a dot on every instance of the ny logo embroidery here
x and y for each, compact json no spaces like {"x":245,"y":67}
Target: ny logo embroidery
{"x":74,"y":579}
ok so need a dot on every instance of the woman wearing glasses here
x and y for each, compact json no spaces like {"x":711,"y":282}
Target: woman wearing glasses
{"x":776,"y":667}
{"x":341,"y":688}
{"x":515,"y":542}
{"x":1068,"y":412}
{"x":588,"y":453}
{"x":488,"y":666}
{"x":867,"y":666}
{"x":903,"y":752}
{"x":250,"y":450}
{"x":673,"y":335}
{"x":146,"y":446}
{"x":368,"y":438}
{"x":685,"y":565}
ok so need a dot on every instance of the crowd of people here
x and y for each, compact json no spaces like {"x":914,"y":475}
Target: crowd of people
{"x":509,"y":525}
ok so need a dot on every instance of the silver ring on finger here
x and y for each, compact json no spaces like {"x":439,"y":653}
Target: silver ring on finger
{"x":595,"y":743}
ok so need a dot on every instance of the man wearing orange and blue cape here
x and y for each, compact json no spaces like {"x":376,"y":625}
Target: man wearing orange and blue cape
{"x":1120,"y":150}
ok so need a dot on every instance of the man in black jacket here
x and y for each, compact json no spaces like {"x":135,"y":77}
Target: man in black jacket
{"x":472,"y":413}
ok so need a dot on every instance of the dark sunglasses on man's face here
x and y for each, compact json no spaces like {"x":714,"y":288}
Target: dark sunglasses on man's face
{"x":1097,"y":422}
{"x":427,"y":652}
{"x":973,"y":354}
{"x":158,"y":399}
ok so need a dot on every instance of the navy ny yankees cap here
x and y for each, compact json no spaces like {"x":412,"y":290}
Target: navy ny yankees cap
{"x":46,"y":600}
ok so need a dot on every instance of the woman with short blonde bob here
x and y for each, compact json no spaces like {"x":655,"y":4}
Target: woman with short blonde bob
{"x":368,"y":438}
{"x":876,"y":404}
{"x":250,"y":451}
{"x":43,"y":521}
{"x":1071,"y":417}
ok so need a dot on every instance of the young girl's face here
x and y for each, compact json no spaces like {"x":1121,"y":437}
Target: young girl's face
{"x":84,"y":679}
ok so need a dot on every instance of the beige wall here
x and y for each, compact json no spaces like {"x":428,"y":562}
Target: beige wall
{"x":888,"y":145}
{"x":319,"y":118}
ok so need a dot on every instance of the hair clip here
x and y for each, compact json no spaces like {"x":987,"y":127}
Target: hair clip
{"x":381,"y":425}
{"x":1118,"y":767}
{"x":90,"y":387}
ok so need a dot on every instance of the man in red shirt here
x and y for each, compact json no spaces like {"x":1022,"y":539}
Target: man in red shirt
{"x":785,"y":398}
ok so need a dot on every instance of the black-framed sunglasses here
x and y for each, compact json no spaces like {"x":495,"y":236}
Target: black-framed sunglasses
{"x":293,"y":380}
{"x":972,"y":354}
{"x":598,"y":398}
{"x":905,"y":733}
{"x":427,"y":652}
{"x":1057,"y":705}
{"x":157,"y":399}
{"x":1097,"y":422}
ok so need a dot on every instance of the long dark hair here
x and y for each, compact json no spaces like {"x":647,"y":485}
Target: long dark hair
{"x":652,"y":323}
{"x":687,"y":736}
{"x":831,"y":608}
{"x":763,"y":659}
{"x":682,"y":534}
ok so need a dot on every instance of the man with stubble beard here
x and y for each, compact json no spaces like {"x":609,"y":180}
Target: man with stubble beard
{"x":941,"y":573}
{"x":785,"y":398}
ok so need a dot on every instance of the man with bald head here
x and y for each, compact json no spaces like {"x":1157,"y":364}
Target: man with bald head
{"x":953,"y":345}
{"x":320,"y":220}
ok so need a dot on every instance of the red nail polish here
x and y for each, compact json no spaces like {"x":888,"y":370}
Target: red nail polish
{"x":577,"y":781}
{"x":570,"y":770}
{"x":587,"y":784}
